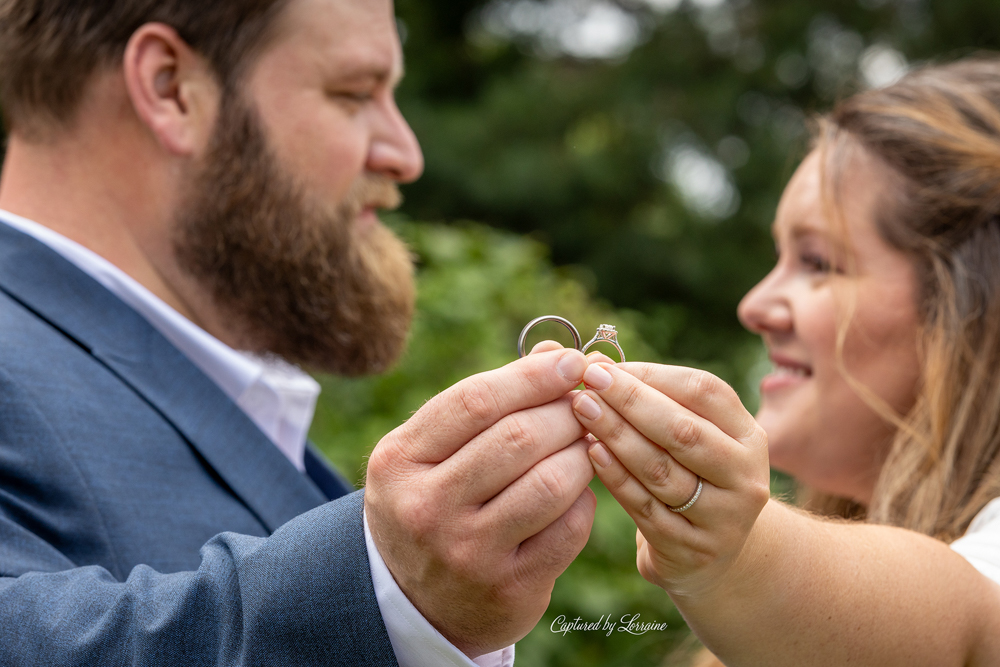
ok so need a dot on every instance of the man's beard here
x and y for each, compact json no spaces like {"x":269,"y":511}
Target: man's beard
{"x":292,"y":276}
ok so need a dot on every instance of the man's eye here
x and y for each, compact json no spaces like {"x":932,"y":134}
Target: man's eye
{"x":354,"y":97}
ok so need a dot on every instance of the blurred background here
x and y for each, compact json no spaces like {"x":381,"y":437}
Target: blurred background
{"x":613,"y":161}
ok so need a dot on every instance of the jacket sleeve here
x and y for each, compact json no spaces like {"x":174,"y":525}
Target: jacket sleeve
{"x":302,"y":596}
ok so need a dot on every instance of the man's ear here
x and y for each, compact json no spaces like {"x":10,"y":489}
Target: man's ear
{"x":172,"y":89}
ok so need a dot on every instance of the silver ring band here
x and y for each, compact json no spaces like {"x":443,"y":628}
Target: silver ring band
{"x":577,"y":340}
{"x":606,"y":333}
{"x":686,"y":506}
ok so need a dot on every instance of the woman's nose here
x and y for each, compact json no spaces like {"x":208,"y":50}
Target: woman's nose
{"x":765,"y":309}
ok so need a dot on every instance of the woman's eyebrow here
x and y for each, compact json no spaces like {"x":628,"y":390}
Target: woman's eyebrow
{"x":800,"y":229}
{"x":804,"y":230}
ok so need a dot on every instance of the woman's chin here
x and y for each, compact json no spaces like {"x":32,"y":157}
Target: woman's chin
{"x":782,"y":462}
{"x":777,"y":427}
{"x":804,"y":470}
{"x":785,"y":452}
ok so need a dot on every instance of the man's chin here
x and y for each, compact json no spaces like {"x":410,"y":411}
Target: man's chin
{"x":356,"y":356}
{"x":373,"y":335}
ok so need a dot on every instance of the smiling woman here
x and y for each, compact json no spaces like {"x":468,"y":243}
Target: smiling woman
{"x":934,"y":140}
{"x":838,"y":310}
{"x":882,"y":319}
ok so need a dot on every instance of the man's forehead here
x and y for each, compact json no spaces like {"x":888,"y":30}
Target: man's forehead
{"x":358,"y":36}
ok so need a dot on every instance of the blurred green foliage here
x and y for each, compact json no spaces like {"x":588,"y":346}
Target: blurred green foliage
{"x":521,"y":135}
{"x":635,"y":188}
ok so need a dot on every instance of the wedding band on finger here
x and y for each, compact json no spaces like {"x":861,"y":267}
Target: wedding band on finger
{"x":686,"y":506}
{"x":606,"y":333}
{"x":577,"y":340}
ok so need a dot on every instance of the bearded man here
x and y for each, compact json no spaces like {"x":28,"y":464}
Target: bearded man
{"x":188,"y":219}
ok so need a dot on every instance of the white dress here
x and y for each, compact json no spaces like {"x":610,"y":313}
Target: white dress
{"x":981,"y":543}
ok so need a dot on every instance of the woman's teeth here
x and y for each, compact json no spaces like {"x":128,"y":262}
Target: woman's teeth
{"x":789,"y":370}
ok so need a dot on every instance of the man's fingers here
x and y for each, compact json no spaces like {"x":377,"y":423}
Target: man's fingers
{"x":546,"y":346}
{"x":540,"y":496}
{"x":508,"y":449}
{"x":703,"y":394}
{"x":455,"y":416}
{"x":549,"y":552}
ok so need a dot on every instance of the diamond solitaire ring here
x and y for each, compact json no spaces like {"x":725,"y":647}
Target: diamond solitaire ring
{"x":606,"y":333}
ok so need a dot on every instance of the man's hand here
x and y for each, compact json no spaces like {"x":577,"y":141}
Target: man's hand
{"x":480,"y":500}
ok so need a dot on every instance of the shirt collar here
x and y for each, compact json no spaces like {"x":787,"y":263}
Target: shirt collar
{"x":278,"y":397}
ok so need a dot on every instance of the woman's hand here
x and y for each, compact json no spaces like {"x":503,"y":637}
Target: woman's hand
{"x":762,"y":584}
{"x":657,"y":429}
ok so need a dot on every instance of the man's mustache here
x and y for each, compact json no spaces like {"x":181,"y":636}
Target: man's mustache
{"x":372,"y":191}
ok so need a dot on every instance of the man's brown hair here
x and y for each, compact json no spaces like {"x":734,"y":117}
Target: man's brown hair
{"x":49,"y":49}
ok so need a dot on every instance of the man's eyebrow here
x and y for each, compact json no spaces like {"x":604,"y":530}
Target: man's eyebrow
{"x":370,"y":73}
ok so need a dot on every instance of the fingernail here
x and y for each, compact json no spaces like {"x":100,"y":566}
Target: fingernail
{"x":571,"y":366}
{"x":587,"y":407}
{"x":597,"y":378}
{"x":600,"y":455}
{"x":546,"y":346}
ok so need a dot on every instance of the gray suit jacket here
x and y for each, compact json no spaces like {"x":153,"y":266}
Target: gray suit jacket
{"x":144,"y":519}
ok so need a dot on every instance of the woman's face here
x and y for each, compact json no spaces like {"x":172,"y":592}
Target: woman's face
{"x":820,"y":430}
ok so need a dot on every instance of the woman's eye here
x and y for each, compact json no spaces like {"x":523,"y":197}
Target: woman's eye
{"x":816,"y":263}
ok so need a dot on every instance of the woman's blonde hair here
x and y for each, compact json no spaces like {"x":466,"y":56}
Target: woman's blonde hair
{"x":938,"y":132}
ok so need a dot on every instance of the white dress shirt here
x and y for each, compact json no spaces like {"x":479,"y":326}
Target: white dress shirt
{"x":281,"y":400}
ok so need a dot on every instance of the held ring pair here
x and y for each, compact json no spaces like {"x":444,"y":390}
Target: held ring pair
{"x":606,"y":333}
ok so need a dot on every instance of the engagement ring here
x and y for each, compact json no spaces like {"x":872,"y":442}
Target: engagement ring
{"x":606,"y":333}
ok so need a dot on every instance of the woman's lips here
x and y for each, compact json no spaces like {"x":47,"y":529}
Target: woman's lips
{"x":786,"y":373}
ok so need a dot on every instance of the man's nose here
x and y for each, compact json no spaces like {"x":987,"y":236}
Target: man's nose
{"x":395,"y":151}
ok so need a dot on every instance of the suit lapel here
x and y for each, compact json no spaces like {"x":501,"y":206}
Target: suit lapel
{"x":326,"y":478}
{"x":121,"y":339}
